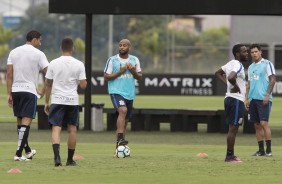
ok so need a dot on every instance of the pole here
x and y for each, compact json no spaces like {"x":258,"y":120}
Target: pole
{"x":110,"y":43}
{"x":88,"y":67}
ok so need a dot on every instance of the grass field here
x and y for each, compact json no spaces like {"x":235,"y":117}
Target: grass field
{"x":162,"y":157}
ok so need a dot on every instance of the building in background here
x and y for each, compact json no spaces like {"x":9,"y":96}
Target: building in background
{"x":265,"y":30}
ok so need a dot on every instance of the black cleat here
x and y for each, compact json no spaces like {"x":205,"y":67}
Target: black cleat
{"x":122,"y":142}
{"x":258,"y":154}
{"x":71,"y":163}
{"x":58,"y":161}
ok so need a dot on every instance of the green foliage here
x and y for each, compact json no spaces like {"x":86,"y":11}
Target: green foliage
{"x":151,"y":39}
{"x":153,"y":46}
{"x":212,"y":44}
{"x":53,"y":27}
{"x":5,"y":36}
{"x":79,"y":47}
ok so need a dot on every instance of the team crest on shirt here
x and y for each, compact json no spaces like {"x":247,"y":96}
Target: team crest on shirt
{"x":121,"y":102}
{"x":256,"y":77}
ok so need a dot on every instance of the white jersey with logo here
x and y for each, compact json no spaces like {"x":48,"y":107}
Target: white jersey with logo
{"x":235,"y":66}
{"x":27,"y":61}
{"x":66,"y":72}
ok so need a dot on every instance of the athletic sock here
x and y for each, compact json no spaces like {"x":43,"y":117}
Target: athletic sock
{"x":229,"y":152}
{"x":23,"y":135}
{"x":56,"y":150}
{"x":27,"y":149}
{"x":261,"y":146}
{"x":26,"y":146}
{"x":70,"y":154}
{"x":18,"y":128}
{"x":119,"y":137}
{"x":268,"y":146}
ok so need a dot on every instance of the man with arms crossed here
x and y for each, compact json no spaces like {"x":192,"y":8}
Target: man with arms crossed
{"x":62,"y":79}
{"x":261,"y":80}
{"x":233,"y":75}
{"x":121,"y":71}
{"x":23,"y":66}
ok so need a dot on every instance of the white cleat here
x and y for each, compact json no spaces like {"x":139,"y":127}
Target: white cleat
{"x":30,"y":154}
{"x":22,"y":158}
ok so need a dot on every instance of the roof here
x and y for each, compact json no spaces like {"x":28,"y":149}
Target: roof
{"x":181,"y":7}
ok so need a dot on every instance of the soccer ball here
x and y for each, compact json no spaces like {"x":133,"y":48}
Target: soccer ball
{"x":123,"y":151}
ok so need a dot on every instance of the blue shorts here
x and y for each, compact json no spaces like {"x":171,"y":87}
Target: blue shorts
{"x":63,"y":115}
{"x":258,"y":112}
{"x":119,"y":101}
{"x":24,"y":104}
{"x":234,"y":111}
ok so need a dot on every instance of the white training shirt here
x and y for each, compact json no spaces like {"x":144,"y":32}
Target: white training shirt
{"x":66,"y":72}
{"x":27,"y":61}
{"x":236,"y":66}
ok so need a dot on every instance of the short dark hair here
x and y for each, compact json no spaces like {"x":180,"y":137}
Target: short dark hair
{"x":67,"y":45}
{"x":32,"y":34}
{"x":255,"y":45}
{"x":236,"y":49}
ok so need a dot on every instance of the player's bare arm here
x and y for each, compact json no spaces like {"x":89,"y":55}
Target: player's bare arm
{"x":82,"y":84}
{"x":9,"y":84}
{"x":220,"y":74}
{"x":232,"y":79}
{"x":246,"y":102}
{"x":272,"y":80}
{"x":42,"y":92}
{"x":48,"y":88}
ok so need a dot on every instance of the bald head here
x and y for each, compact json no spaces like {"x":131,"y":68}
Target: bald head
{"x":124,"y":48}
{"x":125,"y":41}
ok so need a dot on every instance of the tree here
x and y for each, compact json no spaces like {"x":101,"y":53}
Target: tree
{"x":152,"y":45}
{"x":5,"y":36}
{"x":79,"y":47}
{"x":53,"y":27}
{"x":148,"y":35}
{"x":212,"y":50}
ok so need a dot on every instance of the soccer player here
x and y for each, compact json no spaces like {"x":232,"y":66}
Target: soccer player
{"x":62,"y":79}
{"x":233,"y":75}
{"x":121,"y":71}
{"x":23,"y":66}
{"x":261,"y":80}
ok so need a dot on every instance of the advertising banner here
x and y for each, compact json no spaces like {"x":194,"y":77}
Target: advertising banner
{"x":164,"y":84}
{"x":174,"y":84}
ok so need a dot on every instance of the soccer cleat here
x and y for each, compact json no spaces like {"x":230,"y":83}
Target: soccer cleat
{"x":31,"y":154}
{"x":122,"y":142}
{"x":22,"y":158}
{"x":258,"y":154}
{"x":232,"y":158}
{"x":268,"y":154}
{"x":71,"y":163}
{"x":58,"y":161}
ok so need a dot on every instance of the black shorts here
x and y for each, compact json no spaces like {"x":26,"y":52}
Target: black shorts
{"x":258,"y":112}
{"x":24,"y":104}
{"x":234,"y":111}
{"x":63,"y":115}
{"x":119,"y":101}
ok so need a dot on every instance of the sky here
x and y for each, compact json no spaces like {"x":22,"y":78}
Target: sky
{"x":16,"y":7}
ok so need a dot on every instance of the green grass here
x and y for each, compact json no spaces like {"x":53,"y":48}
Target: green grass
{"x":157,"y":157}
{"x":162,"y":157}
